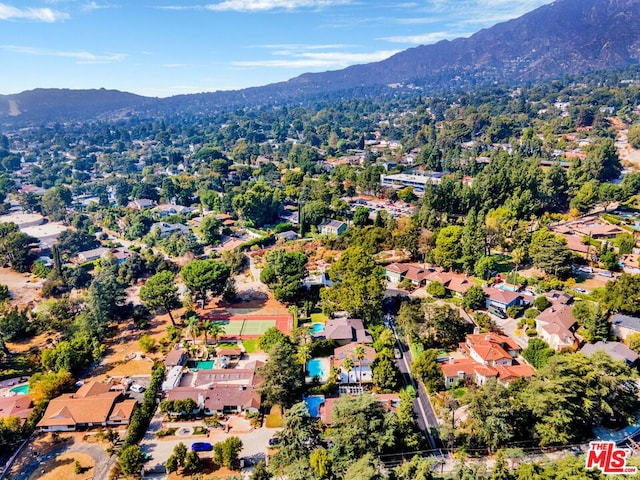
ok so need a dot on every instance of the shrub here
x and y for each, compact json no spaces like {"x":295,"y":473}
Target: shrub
{"x":4,"y":293}
{"x":147,"y":343}
{"x":514,"y":311}
{"x":436,"y":289}
{"x":541,"y":303}
{"x":531,"y":313}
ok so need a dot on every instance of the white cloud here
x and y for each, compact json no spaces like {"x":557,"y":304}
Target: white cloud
{"x":424,"y":38}
{"x":91,"y":6}
{"x":178,"y":7}
{"x":81,"y":57}
{"x":265,"y":5}
{"x":8,"y":12}
{"x":319,"y":59}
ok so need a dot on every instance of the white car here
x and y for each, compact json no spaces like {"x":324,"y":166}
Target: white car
{"x":137,"y":388}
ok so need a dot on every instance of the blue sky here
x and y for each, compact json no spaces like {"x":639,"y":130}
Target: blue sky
{"x":168,"y":47}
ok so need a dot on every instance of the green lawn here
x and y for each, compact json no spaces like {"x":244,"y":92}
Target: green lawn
{"x":319,"y":318}
{"x":416,"y":349}
{"x":17,"y":366}
{"x":274,"y":419}
{"x":458,"y":393}
{"x":250,"y":346}
{"x":503,"y":263}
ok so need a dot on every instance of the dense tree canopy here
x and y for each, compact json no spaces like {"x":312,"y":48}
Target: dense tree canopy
{"x":283,"y":273}
{"x":357,"y":285}
{"x":160,"y":290}
{"x":204,"y":277}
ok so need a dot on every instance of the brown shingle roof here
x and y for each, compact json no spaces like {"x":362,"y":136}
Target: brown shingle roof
{"x":16,"y":406}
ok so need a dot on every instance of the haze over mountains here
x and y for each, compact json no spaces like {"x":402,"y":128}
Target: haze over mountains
{"x":567,"y":36}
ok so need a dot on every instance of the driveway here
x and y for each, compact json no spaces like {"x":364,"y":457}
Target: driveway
{"x":254,"y":442}
{"x":509,"y":327}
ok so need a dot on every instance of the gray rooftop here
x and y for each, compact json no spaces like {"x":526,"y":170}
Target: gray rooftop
{"x":626,"y":321}
{"x":616,"y":350}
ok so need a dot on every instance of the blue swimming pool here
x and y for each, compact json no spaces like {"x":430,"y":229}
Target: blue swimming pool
{"x":314,"y":367}
{"x":21,"y":389}
{"x":506,"y":286}
{"x":201,"y":365}
{"x":313,"y":404}
{"x":317,"y":328}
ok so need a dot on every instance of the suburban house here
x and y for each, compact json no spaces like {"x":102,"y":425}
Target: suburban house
{"x":624,"y":325}
{"x":142,"y":203}
{"x":221,"y":390}
{"x":225,"y":219}
{"x":457,"y":284}
{"x":484,"y":356}
{"x":16,"y":406}
{"x":90,"y":255}
{"x":594,"y":230}
{"x":503,"y":299}
{"x":558,"y":297}
{"x":575,"y":244}
{"x":597,"y":230}
{"x":288,"y":236}
{"x":176,"y":357}
{"x":165,"y":229}
{"x":93,"y":405}
{"x":166,"y":210}
{"x":616,"y":350}
{"x":347,"y":330}
{"x":332,"y":227}
{"x":357,"y":374}
{"x":397,"y":272}
{"x":419,"y":276}
{"x":630,"y":263}
{"x":556,"y":326}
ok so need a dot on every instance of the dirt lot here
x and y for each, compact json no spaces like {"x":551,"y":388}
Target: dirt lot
{"x":63,"y":468}
{"x":24,"y":291}
{"x":630,"y":157}
{"x":124,"y":356}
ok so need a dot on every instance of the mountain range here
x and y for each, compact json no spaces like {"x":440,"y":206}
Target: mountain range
{"x":565,"y":37}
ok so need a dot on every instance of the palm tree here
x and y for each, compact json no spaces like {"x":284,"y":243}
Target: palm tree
{"x":517,"y":255}
{"x":303,"y":356}
{"x":204,"y":329}
{"x":348,"y":366}
{"x":193,"y":327}
{"x":359,"y":354}
{"x":215,"y":330}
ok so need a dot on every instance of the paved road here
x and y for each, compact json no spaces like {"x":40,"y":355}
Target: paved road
{"x":423,"y":409}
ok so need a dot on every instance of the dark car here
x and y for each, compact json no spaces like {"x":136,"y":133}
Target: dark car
{"x":273,"y":441}
{"x":201,"y":447}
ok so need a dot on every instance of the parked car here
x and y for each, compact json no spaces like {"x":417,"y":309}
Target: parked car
{"x":580,"y":290}
{"x":201,"y":447}
{"x":273,"y":441}
{"x":397,"y":353}
{"x":137,"y":388}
